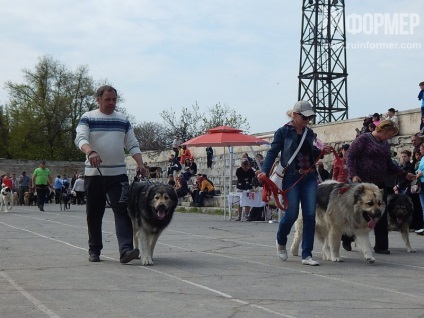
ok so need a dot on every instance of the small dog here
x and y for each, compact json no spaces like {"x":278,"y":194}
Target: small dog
{"x":26,"y":198}
{"x":399,"y":215}
{"x":6,"y":199}
{"x":151,"y":207}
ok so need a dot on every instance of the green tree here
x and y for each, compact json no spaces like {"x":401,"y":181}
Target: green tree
{"x":45,"y":110}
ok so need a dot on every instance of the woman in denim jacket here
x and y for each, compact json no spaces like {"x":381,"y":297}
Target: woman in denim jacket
{"x":286,"y":141}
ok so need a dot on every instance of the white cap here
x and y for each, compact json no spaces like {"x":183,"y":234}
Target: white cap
{"x":304,"y":108}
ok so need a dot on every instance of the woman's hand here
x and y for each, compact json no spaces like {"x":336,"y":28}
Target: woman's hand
{"x":356,"y":179}
{"x":327,"y":149}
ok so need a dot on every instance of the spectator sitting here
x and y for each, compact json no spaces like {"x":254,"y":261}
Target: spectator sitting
{"x":174,"y":165}
{"x":376,"y":119}
{"x":171,"y":180}
{"x":416,"y":141}
{"x":187,"y":174}
{"x":391,"y":115}
{"x":186,"y":163}
{"x":365,"y":124}
{"x":204,"y":188}
{"x":252,"y":162}
{"x":193,"y":167}
{"x":186,"y":154}
{"x":181,"y":187}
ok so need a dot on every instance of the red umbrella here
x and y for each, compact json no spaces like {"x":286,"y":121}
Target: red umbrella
{"x":223,"y":136}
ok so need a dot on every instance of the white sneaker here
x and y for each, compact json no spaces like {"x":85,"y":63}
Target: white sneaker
{"x":309,"y":261}
{"x":281,"y":251}
{"x":420,"y":231}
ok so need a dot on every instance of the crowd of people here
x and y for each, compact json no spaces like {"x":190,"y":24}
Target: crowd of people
{"x":39,"y":188}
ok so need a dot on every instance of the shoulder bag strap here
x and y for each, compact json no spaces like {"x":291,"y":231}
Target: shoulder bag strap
{"x":298,"y":147}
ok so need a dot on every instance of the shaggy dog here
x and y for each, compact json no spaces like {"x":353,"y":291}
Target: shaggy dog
{"x":399,"y":215}
{"x":151,"y":207}
{"x":351,"y":209}
{"x":65,"y":200}
{"x":6,"y":199}
{"x":26,"y":198}
{"x":30,"y":198}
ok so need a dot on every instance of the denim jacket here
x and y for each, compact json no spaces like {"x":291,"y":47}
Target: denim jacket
{"x":285,"y":141}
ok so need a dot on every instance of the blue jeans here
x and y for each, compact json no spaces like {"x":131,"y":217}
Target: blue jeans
{"x":304,"y":193}
{"x":421,"y":194}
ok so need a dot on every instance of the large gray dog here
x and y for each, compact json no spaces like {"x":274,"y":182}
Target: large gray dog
{"x":151,"y":207}
{"x":351,"y":209}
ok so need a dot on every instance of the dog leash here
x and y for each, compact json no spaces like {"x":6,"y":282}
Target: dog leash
{"x":271,"y":189}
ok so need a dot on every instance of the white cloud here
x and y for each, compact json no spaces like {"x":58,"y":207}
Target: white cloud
{"x":170,"y":54}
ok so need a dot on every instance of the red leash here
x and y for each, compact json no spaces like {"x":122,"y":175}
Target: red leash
{"x":269,"y":188}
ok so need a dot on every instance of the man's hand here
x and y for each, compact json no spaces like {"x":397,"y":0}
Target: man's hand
{"x":94,"y":159}
{"x":142,"y":170}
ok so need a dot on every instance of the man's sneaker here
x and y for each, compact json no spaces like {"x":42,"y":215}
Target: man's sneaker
{"x":309,"y":261}
{"x":281,"y":251}
{"x":94,"y":258}
{"x":420,"y":232}
{"x":128,"y":256}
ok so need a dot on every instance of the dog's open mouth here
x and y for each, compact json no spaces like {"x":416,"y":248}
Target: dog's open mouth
{"x":370,"y":219}
{"x":161,"y":213}
{"x":399,"y":219}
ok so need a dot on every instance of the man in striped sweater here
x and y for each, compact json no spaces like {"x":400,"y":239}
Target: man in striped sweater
{"x":103,"y":134}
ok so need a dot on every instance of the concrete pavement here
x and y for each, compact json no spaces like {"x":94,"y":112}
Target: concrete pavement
{"x":204,"y":267}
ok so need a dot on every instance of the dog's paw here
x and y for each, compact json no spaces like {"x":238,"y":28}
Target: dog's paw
{"x":370,"y":260}
{"x":411,"y":250}
{"x":147,"y":260}
{"x":294,"y":252}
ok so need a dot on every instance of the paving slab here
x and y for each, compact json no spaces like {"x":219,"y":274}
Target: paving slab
{"x":204,"y":267}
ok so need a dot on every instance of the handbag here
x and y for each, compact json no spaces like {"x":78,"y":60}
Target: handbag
{"x":415,"y":186}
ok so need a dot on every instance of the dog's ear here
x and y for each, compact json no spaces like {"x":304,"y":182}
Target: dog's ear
{"x":359,"y":190}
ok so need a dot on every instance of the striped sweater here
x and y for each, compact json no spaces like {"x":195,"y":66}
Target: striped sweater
{"x":108,"y":135}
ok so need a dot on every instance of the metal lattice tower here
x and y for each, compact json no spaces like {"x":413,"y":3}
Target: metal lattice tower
{"x":322,"y":70}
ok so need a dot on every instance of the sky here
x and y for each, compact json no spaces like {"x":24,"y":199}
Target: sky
{"x":170,"y":54}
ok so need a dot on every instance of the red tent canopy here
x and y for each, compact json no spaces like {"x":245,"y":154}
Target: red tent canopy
{"x":223,"y":136}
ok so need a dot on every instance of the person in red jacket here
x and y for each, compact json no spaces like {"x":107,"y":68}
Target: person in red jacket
{"x":340,"y":173}
{"x":186,"y":154}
